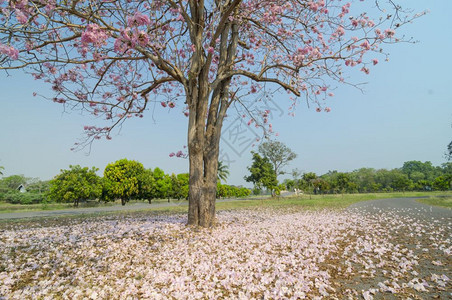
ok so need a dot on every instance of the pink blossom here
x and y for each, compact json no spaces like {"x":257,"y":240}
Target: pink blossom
{"x":171,"y":104}
{"x":375,"y":61}
{"x":318,"y":109}
{"x":365,"y":70}
{"x":340,"y":31}
{"x":143,"y":38}
{"x":138,"y":19}
{"x":21,"y":17}
{"x":365,"y":45}
{"x":93,"y":35}
{"x":327,"y":109}
{"x":163,"y":104}
{"x":172,"y":154}
{"x":389,"y":32}
{"x":10,"y":51}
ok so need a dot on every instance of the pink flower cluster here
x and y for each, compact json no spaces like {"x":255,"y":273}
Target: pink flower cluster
{"x":94,"y":35}
{"x":138,"y":19}
{"x":10,"y":51}
{"x":179,"y":154}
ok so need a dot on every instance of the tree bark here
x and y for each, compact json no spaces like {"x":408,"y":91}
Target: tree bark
{"x":203,"y":183}
{"x":203,"y":149}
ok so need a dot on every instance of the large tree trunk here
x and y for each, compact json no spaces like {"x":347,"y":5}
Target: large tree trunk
{"x":207,"y":109}
{"x":203,"y":156}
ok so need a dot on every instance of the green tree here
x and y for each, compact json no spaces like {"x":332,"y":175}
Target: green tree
{"x":442,"y":183}
{"x":449,"y":151}
{"x":307,"y":182}
{"x":364,"y":179}
{"x":179,"y":186}
{"x":262,"y":173}
{"x":289,"y":184}
{"x":223,"y":171}
{"x":75,"y":185}
{"x":146,"y":185}
{"x":414,"y":167}
{"x":163,"y":184}
{"x":1,"y":170}
{"x":35,"y":185}
{"x":446,"y":168}
{"x":184,"y":185}
{"x":383,"y":178}
{"x":11,"y":183}
{"x":400,"y":181}
{"x":278,"y":154}
{"x":123,"y":180}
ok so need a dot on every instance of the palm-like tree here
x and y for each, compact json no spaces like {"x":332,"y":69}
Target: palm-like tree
{"x":223,"y":171}
{"x":1,"y":168}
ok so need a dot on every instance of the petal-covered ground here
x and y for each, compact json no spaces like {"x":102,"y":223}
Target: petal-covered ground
{"x":267,"y":254}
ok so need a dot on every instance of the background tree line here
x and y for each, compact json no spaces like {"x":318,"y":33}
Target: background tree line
{"x":272,"y":156}
{"x":412,"y":176}
{"x":122,"y":180}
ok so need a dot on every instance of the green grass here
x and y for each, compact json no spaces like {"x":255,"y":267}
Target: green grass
{"x":445,"y":201}
{"x":320,"y":201}
{"x":9,"y":208}
{"x":308,"y":202}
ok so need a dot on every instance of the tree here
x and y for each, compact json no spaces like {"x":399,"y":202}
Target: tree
{"x":114,"y":58}
{"x":12,"y":182}
{"x":179,"y":186}
{"x":123,"y":180}
{"x":449,"y":151}
{"x":278,"y":154}
{"x":146,"y":185}
{"x":262,"y":174}
{"x":75,"y":185}
{"x":413,"y":168}
{"x":35,"y":185}
{"x":1,"y":168}
{"x":307,"y":181}
{"x":400,"y":181}
{"x":223,"y":171}
{"x":442,"y":183}
{"x":163,"y":184}
{"x":184,"y":181}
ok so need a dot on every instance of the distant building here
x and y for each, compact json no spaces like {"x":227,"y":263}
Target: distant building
{"x":21,"y":188}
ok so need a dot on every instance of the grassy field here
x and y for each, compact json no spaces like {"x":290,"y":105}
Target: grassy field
{"x":443,"y":201}
{"x":8,"y":207}
{"x":312,"y":202}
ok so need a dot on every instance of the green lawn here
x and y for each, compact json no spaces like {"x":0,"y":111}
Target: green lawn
{"x":445,"y":201}
{"x":301,"y":201}
{"x":8,"y":207}
{"x":321,"y":201}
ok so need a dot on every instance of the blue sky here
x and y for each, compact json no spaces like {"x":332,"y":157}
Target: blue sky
{"x":404,"y":114}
